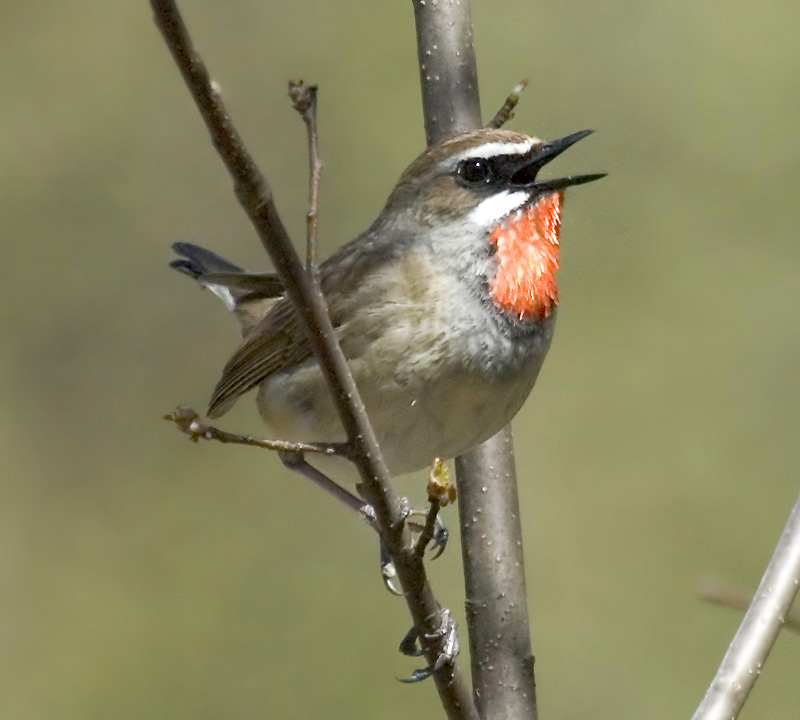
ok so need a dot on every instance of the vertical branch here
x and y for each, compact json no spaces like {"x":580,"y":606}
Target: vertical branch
{"x":448,"y":73}
{"x":494,"y":579}
{"x":497,"y":607}
{"x":750,"y":647}
{"x":304,"y":99}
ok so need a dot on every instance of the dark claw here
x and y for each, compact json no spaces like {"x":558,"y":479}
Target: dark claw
{"x":440,"y":533}
{"x":417,"y":676}
{"x":388,"y":571}
{"x":409,"y":645}
{"x":440,"y":537}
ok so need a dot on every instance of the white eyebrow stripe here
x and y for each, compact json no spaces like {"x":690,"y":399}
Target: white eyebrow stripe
{"x":493,"y":149}
{"x":498,"y":206}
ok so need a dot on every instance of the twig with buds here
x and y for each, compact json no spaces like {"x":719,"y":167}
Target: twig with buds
{"x":441,"y":492}
{"x":189,"y":423}
{"x":506,"y":112}
{"x":256,"y":199}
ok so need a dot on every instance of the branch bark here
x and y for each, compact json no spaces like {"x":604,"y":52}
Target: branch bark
{"x":255,"y":196}
{"x":758,"y":631}
{"x":494,"y":578}
{"x":491,"y":532}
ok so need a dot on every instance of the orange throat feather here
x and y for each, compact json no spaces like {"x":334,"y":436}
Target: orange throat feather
{"x":527,"y":256}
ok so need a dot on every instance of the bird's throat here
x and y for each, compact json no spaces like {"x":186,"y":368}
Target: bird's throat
{"x":527,"y":256}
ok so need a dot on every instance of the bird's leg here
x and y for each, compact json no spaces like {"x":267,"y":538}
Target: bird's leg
{"x":441,"y":492}
{"x":298,"y":463}
{"x":292,"y":454}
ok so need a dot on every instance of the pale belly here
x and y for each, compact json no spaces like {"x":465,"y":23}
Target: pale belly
{"x":415,"y":419}
{"x":436,"y":374}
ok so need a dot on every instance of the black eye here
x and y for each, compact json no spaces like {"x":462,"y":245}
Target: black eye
{"x":476,"y":171}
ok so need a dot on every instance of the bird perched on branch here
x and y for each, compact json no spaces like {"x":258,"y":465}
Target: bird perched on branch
{"x":444,"y":306}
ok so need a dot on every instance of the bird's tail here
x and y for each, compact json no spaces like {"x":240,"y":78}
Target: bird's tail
{"x":248,"y":296}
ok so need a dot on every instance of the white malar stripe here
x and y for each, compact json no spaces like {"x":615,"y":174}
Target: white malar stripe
{"x":223,"y":294}
{"x":490,"y":211}
{"x":493,"y":149}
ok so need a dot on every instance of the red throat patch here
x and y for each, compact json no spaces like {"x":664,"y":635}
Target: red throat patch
{"x":527,"y":255}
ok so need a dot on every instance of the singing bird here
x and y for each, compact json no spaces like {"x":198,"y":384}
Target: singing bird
{"x":444,"y":307}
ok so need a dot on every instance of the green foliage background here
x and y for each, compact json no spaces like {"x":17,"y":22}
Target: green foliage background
{"x":144,"y":577}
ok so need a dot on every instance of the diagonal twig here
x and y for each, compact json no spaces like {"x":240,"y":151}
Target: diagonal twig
{"x":758,"y":631}
{"x":189,"y":423}
{"x":506,"y":112}
{"x":255,"y":196}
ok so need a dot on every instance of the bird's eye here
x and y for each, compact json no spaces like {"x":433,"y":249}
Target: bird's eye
{"x":476,"y":171}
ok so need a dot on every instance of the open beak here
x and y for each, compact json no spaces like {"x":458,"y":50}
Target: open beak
{"x":525,"y":176}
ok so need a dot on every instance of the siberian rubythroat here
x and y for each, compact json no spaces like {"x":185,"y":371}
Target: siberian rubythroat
{"x":444,"y":306}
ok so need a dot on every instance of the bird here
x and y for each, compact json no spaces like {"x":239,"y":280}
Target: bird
{"x":444,"y":306}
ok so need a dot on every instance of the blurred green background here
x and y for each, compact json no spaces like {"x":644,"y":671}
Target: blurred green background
{"x":146,"y":577}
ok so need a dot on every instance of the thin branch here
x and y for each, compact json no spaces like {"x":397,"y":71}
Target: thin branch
{"x":188,"y":422}
{"x":758,"y":631}
{"x":304,"y":99}
{"x":292,"y":454}
{"x":722,"y":592}
{"x":256,"y":198}
{"x":506,"y":112}
{"x":491,"y":534}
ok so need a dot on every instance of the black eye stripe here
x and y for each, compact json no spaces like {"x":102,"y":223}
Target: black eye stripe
{"x":478,"y":171}
{"x":475,"y":171}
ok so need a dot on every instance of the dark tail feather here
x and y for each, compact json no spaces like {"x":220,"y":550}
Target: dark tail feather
{"x":249,"y":296}
{"x":196,"y":261}
{"x":212,"y":270}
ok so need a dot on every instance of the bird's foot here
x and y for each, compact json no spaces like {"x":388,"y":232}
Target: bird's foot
{"x":446,"y":638}
{"x":429,"y":532}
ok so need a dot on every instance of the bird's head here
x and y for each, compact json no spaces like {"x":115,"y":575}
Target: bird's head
{"x":484,"y":184}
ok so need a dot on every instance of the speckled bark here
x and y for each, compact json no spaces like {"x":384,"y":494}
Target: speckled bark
{"x":497,"y":608}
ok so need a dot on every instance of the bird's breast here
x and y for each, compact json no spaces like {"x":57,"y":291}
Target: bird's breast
{"x":527,"y":257}
{"x":437,"y":373}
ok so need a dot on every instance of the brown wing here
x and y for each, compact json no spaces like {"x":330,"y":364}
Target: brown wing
{"x":277,"y":342}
